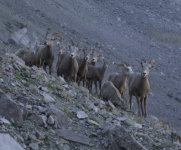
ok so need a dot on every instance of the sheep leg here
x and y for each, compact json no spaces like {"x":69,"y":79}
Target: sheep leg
{"x":84,"y":82}
{"x":139,"y":105}
{"x":145,"y":108}
{"x":130,"y":100}
{"x":100,"y":82}
{"x":44,"y":68}
{"x":75,"y":77}
{"x":50,"y":69}
{"x":95,"y":82}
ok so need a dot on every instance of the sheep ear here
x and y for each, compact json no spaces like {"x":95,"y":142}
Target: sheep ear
{"x":152,"y":62}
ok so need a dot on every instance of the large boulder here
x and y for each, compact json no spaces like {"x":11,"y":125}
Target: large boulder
{"x":117,"y":138}
{"x":110,"y":92}
{"x":8,"y":143}
{"x":9,"y":109}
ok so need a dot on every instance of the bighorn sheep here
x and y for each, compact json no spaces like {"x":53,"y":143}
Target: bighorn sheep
{"x":46,"y":54}
{"x":110,"y":92}
{"x":93,"y":62}
{"x":68,"y":66}
{"x":95,"y":57}
{"x":83,"y":67}
{"x":96,"y":74}
{"x":119,"y":79}
{"x":139,"y":87}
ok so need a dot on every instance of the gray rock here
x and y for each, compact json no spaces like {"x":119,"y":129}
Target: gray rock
{"x":50,"y":120}
{"x":5,"y":121}
{"x":61,"y":119}
{"x":40,"y":135}
{"x":34,"y":146}
{"x":48,"y":99}
{"x":81,"y":115}
{"x":110,"y":92}
{"x":8,"y":143}
{"x":14,"y":112}
{"x":40,"y":120}
{"x":72,"y":136}
{"x":117,"y":138}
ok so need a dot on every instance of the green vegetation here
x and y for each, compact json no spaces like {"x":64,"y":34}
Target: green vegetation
{"x":50,"y":85}
{"x":27,"y":84}
{"x":170,"y":95}
{"x":66,"y":110}
{"x":46,"y":137}
{"x":19,"y":77}
{"x":14,"y":124}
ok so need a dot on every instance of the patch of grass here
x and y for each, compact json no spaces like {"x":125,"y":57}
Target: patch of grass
{"x":8,"y":90}
{"x":94,"y":119}
{"x":140,"y":121}
{"x":170,"y":95}
{"x":87,"y":110}
{"x":177,"y":99}
{"x":22,"y":68}
{"x":42,"y":101}
{"x":50,"y":85}
{"x":46,"y":137}
{"x":27,"y":84}
{"x":66,"y":110}
{"x":18,"y":77}
{"x":14,"y":124}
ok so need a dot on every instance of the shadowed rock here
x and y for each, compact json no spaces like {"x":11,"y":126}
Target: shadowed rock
{"x":9,"y":109}
{"x":117,"y":138}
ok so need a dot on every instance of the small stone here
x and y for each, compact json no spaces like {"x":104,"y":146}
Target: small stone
{"x":81,"y":115}
{"x":34,"y":146}
{"x":32,"y":137}
{"x":122,"y":119}
{"x":5,"y":121}
{"x":40,"y":136}
{"x":20,"y":138}
{"x":48,"y":99}
{"x":29,"y":107}
{"x":51,"y":120}
{"x":93,"y":122}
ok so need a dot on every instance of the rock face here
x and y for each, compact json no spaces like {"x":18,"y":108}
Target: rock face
{"x":118,"y":139}
{"x":9,"y":109}
{"x":8,"y":143}
{"x":110,"y":92}
{"x":60,"y":117}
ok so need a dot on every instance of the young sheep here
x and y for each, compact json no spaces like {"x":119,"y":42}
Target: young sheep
{"x":68,"y":67}
{"x":93,"y":62}
{"x":96,"y":74}
{"x":83,"y":68}
{"x":139,"y":87}
{"x":46,"y":54}
{"x":119,"y":79}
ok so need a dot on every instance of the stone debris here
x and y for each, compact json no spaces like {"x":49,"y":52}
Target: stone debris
{"x":72,"y":136}
{"x":43,"y":112}
{"x":8,"y":143}
{"x":82,"y":115}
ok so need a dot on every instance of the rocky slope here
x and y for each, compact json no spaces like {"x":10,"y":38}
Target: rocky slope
{"x":43,"y":112}
{"x":126,"y":30}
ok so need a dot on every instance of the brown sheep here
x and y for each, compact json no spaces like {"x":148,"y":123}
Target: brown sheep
{"x":139,"y":87}
{"x":46,"y":54}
